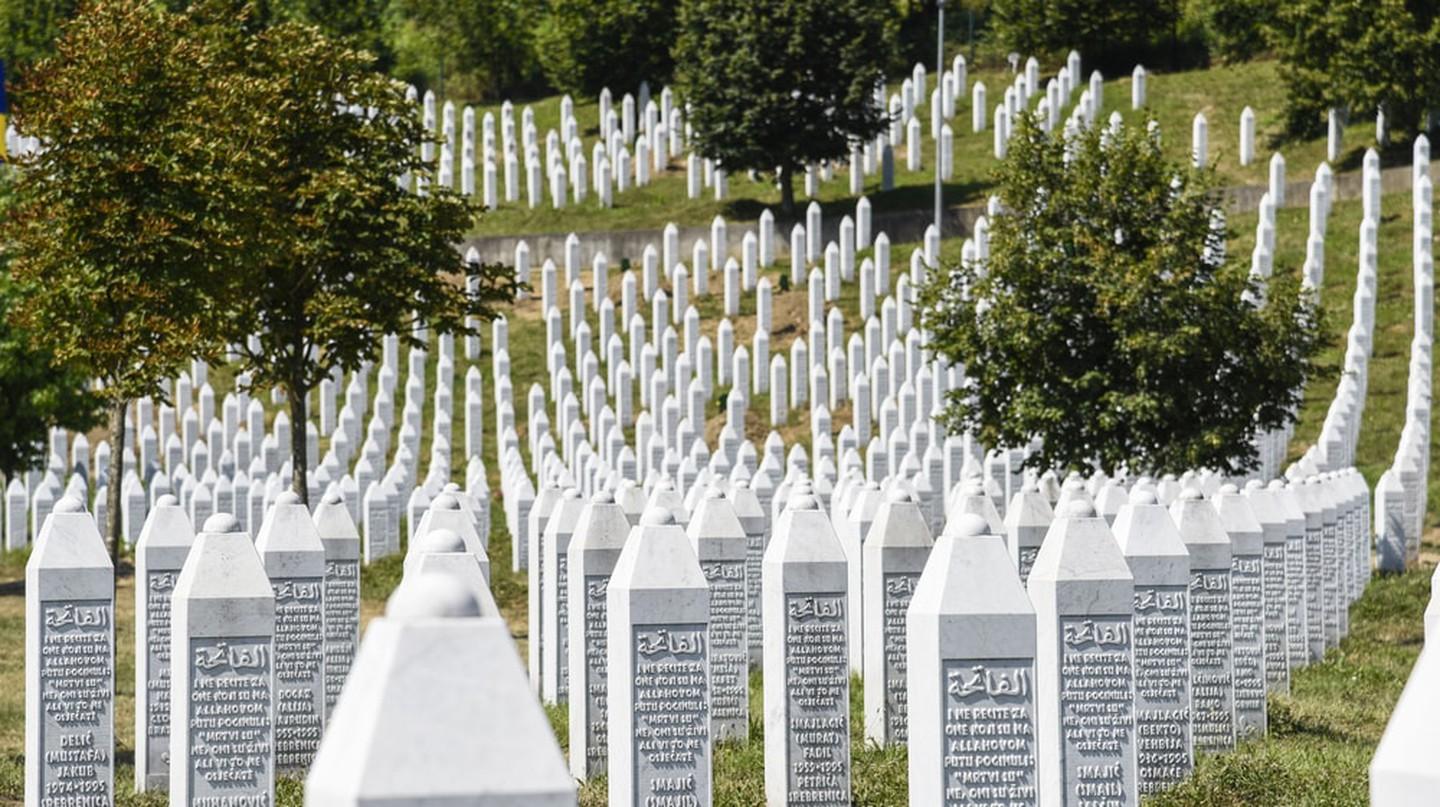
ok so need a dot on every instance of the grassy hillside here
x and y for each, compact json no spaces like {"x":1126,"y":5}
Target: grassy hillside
{"x":1174,"y":99}
{"x":1323,"y":733}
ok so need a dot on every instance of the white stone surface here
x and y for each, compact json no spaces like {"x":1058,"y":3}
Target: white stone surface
{"x":896,"y":549}
{"x":160,"y":554}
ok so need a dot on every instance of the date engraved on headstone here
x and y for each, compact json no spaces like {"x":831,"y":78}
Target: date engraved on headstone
{"x":899,"y":588}
{"x":596,"y":644}
{"x":1162,"y":687}
{"x":299,"y":672}
{"x":816,"y":687}
{"x":1096,"y":708}
{"x":989,"y":732}
{"x":77,"y":702}
{"x":1247,"y":636}
{"x":729,"y":651}
{"x":158,"y":589}
{"x":342,"y":609}
{"x":230,"y":716}
{"x":1212,"y":676}
{"x":672,"y":723}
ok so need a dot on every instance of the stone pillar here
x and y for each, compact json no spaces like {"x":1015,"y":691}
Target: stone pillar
{"x":222,"y":658}
{"x":971,"y":673}
{"x":69,"y":661}
{"x":160,"y":554}
{"x":807,"y":690}
{"x":895,"y":551}
{"x":595,"y":547}
{"x":1272,"y":529}
{"x":1083,"y":594}
{"x":438,"y":711}
{"x":1212,"y":671}
{"x":657,"y":622}
{"x":720,"y":544}
{"x":342,"y":592}
{"x":753,"y":520}
{"x":1247,"y":609}
{"x":553,"y":641}
{"x":1160,"y":564}
{"x":294,"y":559}
{"x":1027,"y":519}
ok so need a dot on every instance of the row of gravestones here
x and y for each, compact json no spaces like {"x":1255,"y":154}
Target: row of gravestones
{"x":242,"y":647}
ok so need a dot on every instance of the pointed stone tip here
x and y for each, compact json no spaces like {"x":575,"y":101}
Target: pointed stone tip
{"x":441,"y":540}
{"x":287,"y":497}
{"x":714,"y":493}
{"x":1191,"y":495}
{"x":657,"y":517}
{"x":804,"y":501}
{"x":168,"y":500}
{"x":221,"y":523}
{"x":445,"y":502}
{"x":899,"y":495}
{"x":332,"y":498}
{"x":1141,"y":497}
{"x":570,"y":493}
{"x":1080,"y":508}
{"x":69,"y":504}
{"x":969,"y":525}
{"x":603,"y":497}
{"x":434,"y":595}
{"x":740,"y":484}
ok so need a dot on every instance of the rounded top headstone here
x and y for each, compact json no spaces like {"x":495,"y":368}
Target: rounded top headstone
{"x":441,"y":540}
{"x":287,"y":497}
{"x":657,"y":516}
{"x":570,"y":493}
{"x":970,"y":525}
{"x":666,"y":483}
{"x":1276,"y":484}
{"x":898,"y":495}
{"x":804,"y":501}
{"x":803,"y":488}
{"x":222,"y":523}
{"x":69,"y":504}
{"x":872,"y":485}
{"x":431,"y":596}
{"x":445,"y":502}
{"x":714,"y":493}
{"x":167,"y":500}
{"x":1254,"y":484}
{"x":741,"y":484}
{"x":1191,"y":494}
{"x":332,"y":497}
{"x":1080,"y":508}
{"x":1229,"y":487}
{"x":451,"y":487}
{"x":1143,"y":496}
{"x":603,"y":496}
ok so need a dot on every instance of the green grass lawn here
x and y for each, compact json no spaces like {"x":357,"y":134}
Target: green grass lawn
{"x":1322,"y":734}
{"x":1173,"y":98}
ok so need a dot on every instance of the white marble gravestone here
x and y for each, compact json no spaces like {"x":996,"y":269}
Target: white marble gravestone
{"x":895,"y":551}
{"x":437,"y":711}
{"x":971,"y":672}
{"x":1212,"y":681}
{"x":1160,"y":564}
{"x":1273,"y":528}
{"x":1247,"y":609}
{"x":752,"y":518}
{"x":553,"y":641}
{"x":594,"y":548}
{"x":807,"y":688}
{"x":69,"y":662}
{"x":160,"y":554}
{"x":294,"y":559}
{"x":657,"y":617}
{"x":222,"y":677}
{"x":1085,"y":691}
{"x":1027,"y":519}
{"x":720,"y":544}
{"x":1403,"y":772}
{"x":342,"y":592}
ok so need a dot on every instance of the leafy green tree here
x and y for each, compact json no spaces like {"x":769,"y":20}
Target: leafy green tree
{"x":1360,"y":57}
{"x":345,"y":255}
{"x":28,"y":29}
{"x":125,"y":223}
{"x":773,"y":86}
{"x":1108,"y":321}
{"x":37,"y":392}
{"x":586,"y":45}
{"x":1110,"y":34}
{"x":1237,"y":29}
{"x":467,"y":48}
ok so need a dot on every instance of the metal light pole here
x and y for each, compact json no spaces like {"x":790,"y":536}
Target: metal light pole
{"x":940,"y":97}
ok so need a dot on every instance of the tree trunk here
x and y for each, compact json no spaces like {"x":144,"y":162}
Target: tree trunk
{"x":787,"y":190}
{"x":114,"y":493}
{"x":299,"y":454}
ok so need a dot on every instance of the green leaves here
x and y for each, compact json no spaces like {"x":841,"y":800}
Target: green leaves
{"x":1107,"y":322}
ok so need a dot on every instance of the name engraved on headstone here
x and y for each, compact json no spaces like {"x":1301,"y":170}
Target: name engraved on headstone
{"x":562,"y":622}
{"x":1277,"y":616}
{"x":1314,"y":598}
{"x":1096,"y":708}
{"x":596,"y":647}
{"x":1027,"y":561}
{"x":77,"y":703}
{"x":729,"y":653}
{"x":230,"y":715}
{"x":1212,"y":677}
{"x":672,"y":723}
{"x":816,"y":687}
{"x":342,"y":611}
{"x":158,"y":589}
{"x":299,"y":672}
{"x":1162,"y":688}
{"x":899,"y":588}
{"x":989,"y":732}
{"x":1247,"y":636}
